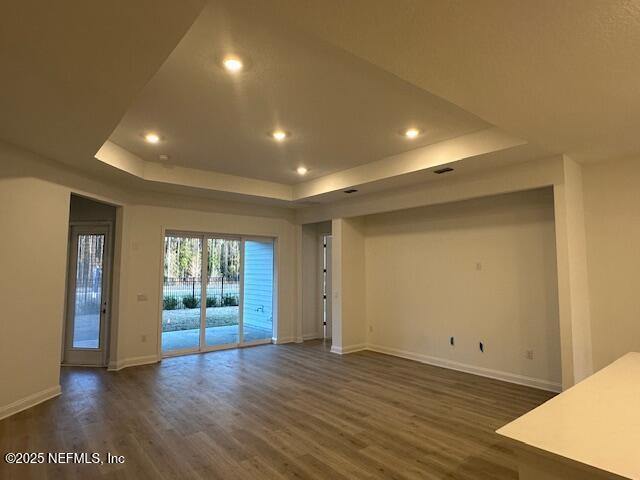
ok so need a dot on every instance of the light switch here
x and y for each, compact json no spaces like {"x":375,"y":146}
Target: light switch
{"x":142,"y":297}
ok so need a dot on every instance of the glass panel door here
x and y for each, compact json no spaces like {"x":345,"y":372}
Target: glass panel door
{"x":182,"y":293}
{"x":232,"y":307}
{"x":87,"y":301}
{"x":258,"y":291}
{"x":223,"y":292}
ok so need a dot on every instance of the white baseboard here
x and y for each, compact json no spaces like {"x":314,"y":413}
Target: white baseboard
{"x":280,"y":341}
{"x":311,"y":336}
{"x":348,"y":348}
{"x":114,"y":366}
{"x":464,"y":367}
{"x":29,"y":401}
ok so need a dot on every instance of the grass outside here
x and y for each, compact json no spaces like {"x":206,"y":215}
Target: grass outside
{"x":189,"y":318}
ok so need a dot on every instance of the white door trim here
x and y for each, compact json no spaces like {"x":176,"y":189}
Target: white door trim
{"x":88,"y":356}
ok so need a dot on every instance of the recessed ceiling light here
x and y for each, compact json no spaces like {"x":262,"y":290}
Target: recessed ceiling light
{"x":279,"y":135}
{"x":232,"y":64}
{"x":152,"y":137}
{"x":411,"y":132}
{"x":302,"y":170}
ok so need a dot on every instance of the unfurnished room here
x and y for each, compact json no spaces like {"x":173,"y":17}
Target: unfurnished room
{"x":337,"y":239}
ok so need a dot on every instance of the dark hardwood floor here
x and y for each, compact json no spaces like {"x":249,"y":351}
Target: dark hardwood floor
{"x":287,"y":411}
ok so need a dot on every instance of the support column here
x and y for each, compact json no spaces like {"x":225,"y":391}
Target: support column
{"x":348,"y":284}
{"x":573,"y":287}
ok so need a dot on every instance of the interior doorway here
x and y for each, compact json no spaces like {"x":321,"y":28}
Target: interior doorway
{"x":89,"y":275}
{"x":325,"y":285}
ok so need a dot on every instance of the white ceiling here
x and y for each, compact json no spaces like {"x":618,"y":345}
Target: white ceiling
{"x":70,"y":69}
{"x":562,"y":73}
{"x":341,"y":111}
{"x":344,"y":77}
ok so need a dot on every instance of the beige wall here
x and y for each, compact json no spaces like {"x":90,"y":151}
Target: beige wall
{"x":573,"y":276}
{"x":558,"y":172}
{"x":310,"y":287}
{"x":612,"y":217}
{"x":32,"y":288}
{"x":31,"y":207}
{"x":479,"y":270}
{"x":442,"y":189}
{"x":142,"y":262}
{"x":349,"y":285}
{"x":33,"y":253}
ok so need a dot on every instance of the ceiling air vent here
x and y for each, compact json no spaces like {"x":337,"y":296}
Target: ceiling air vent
{"x":351,"y":190}
{"x":443,"y":170}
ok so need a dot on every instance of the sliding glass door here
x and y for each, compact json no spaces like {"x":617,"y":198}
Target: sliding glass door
{"x":182,"y":293}
{"x":232,"y":307}
{"x":258,"y":290}
{"x":223,"y":292}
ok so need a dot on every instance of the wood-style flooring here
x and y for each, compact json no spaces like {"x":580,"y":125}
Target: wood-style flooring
{"x":274,"y":412}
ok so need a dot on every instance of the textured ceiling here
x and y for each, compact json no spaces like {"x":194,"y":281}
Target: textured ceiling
{"x":562,"y":73}
{"x":70,"y":69}
{"x":344,"y":77}
{"x":341,"y":111}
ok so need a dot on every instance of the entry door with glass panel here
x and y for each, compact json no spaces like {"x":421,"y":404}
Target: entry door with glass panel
{"x":88,"y":296}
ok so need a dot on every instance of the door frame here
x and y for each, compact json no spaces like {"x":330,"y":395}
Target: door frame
{"x":102,"y":353}
{"x":183,"y":234}
{"x":322,"y":333}
{"x":204,"y":236}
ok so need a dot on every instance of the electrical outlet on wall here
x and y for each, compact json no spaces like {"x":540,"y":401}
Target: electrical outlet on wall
{"x":143,"y":338}
{"x":528,"y":354}
{"x":452,"y":341}
{"x":370,"y":328}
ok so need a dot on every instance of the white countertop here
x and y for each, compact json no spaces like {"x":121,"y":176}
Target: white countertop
{"x":596,"y":422}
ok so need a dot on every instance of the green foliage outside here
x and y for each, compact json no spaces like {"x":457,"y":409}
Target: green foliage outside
{"x":183,"y":256}
{"x":230,"y":301}
{"x":170,"y":303}
{"x":224,"y":258}
{"x":190,"y":301}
